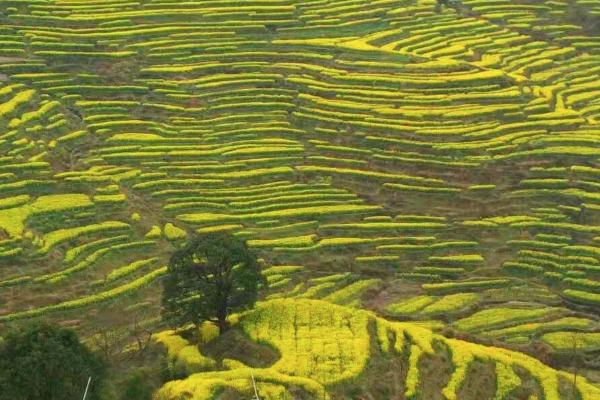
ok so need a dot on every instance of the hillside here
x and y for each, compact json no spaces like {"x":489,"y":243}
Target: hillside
{"x":425,"y":179}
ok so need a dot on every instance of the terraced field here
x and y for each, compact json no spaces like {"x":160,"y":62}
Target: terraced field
{"x":400,"y":171}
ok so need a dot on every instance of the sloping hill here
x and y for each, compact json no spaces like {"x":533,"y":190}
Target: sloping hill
{"x":322,"y":345}
{"x":438,"y":167}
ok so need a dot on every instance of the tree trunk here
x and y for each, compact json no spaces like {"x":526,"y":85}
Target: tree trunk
{"x":223,"y":324}
{"x":222,"y":317}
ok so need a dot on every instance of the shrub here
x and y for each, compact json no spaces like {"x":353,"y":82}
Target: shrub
{"x":46,"y":362}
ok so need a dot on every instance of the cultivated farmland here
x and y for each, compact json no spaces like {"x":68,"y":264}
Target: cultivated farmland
{"x":421,"y":184}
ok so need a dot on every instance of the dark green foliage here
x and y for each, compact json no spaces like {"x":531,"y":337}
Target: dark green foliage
{"x":140,"y":384}
{"x":212,"y":276}
{"x":47,"y":362}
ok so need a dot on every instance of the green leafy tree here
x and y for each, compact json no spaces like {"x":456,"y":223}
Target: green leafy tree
{"x":212,"y":276}
{"x":47,"y":362}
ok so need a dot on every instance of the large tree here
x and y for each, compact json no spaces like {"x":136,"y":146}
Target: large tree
{"x":212,"y":276}
{"x":47,"y":362}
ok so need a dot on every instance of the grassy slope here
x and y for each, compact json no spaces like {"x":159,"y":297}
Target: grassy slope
{"x":446,"y":157}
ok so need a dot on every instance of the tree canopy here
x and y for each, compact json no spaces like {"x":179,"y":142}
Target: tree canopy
{"x":47,"y":362}
{"x":212,"y":276}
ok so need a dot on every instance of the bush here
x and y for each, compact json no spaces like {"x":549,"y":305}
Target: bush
{"x":140,"y":384}
{"x":47,"y":362}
